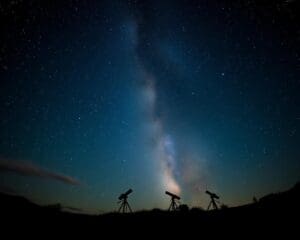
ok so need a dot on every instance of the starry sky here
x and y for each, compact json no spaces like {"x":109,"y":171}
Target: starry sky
{"x":100,"y":96}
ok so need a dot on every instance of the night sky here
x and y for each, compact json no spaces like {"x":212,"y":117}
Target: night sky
{"x":100,"y":96}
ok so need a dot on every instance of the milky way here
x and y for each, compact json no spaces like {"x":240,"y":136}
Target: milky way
{"x":163,"y":146}
{"x":149,"y":95}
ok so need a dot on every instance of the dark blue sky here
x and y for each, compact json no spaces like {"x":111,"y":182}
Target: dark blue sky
{"x":154,"y":95}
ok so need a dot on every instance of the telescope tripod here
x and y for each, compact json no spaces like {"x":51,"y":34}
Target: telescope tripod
{"x":125,"y":207}
{"x":173,"y":205}
{"x":213,"y":204}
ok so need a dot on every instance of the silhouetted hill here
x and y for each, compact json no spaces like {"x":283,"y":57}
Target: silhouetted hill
{"x":271,"y":213}
{"x":286,"y":200}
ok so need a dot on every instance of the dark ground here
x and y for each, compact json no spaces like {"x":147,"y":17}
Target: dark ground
{"x":271,"y":215}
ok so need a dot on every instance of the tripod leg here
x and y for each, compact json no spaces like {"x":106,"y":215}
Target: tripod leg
{"x":215,"y":205}
{"x":120,"y":207}
{"x":172,"y":205}
{"x":128,"y":206}
{"x":208,"y":206}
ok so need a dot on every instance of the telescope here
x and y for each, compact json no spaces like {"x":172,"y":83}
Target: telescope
{"x":173,"y":205}
{"x":212,"y":195}
{"x":172,"y":195}
{"x":213,"y":202}
{"x":124,"y":207}
{"x":125,"y":195}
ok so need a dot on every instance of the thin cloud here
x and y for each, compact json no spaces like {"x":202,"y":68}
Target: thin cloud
{"x":29,"y":169}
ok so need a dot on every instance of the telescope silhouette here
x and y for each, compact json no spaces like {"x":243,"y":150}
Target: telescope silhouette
{"x":174,"y":197}
{"x":213,"y":195}
{"x":125,"y":195}
{"x":124,"y":207}
{"x":212,"y":203}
